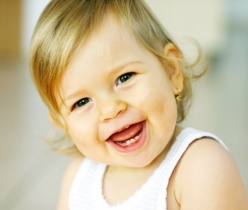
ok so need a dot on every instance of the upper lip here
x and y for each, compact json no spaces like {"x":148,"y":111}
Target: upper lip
{"x":121,"y":129}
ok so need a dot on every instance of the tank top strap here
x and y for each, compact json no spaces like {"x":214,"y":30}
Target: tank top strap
{"x":182,"y":142}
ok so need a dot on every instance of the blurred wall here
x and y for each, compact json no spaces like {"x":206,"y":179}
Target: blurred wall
{"x":10,"y":28}
{"x":202,"y":20}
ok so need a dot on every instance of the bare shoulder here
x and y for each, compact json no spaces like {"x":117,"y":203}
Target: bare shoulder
{"x":207,"y":177}
{"x":68,"y":178}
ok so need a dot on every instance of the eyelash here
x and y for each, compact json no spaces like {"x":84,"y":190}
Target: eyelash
{"x":124,"y":77}
{"x":82,"y":102}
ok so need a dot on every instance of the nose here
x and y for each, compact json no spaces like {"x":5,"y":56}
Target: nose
{"x":110,"y":108}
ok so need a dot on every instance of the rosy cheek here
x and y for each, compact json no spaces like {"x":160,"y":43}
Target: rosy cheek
{"x":152,"y":100}
{"x":82,"y":128}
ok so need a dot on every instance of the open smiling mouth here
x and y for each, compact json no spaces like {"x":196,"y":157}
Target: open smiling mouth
{"x":129,"y":139}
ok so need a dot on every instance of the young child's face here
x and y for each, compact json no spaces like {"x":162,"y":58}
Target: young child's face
{"x":114,"y":84}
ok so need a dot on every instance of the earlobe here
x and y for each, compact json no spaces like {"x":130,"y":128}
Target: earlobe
{"x":175,"y":73}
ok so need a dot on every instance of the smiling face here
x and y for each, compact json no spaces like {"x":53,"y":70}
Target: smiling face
{"x":119,"y":100}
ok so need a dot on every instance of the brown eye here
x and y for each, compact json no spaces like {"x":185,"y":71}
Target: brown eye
{"x":123,"y":78}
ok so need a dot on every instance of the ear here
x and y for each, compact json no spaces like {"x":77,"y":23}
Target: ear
{"x":175,"y":73}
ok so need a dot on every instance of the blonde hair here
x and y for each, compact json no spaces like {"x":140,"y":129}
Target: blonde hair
{"x":65,"y":25}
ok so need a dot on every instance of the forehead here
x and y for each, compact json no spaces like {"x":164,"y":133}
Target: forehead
{"x":108,"y":48}
{"x":111,"y":36}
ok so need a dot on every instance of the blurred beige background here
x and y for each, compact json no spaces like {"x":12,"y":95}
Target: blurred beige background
{"x":31,"y":173}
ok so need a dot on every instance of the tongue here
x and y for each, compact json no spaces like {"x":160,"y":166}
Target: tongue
{"x":127,"y":133}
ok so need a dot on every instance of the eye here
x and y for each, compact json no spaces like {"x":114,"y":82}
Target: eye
{"x":123,"y":78}
{"x":81,"y":103}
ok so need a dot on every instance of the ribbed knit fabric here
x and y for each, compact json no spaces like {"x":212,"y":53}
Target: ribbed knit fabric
{"x":86,"y":190}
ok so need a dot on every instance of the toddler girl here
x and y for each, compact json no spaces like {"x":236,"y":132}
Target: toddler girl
{"x":117,"y":84}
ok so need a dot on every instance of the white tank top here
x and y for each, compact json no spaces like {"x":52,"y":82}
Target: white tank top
{"x":86,"y":191}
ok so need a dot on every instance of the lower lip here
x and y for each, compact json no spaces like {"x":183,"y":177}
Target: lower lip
{"x":135,"y":146}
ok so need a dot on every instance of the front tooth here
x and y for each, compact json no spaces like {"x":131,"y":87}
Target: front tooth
{"x":136,"y":137}
{"x":128,"y":142}
{"x":132,"y":140}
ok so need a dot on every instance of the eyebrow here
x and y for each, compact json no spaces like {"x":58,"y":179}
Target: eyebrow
{"x":122,"y":66}
{"x":112,"y":71}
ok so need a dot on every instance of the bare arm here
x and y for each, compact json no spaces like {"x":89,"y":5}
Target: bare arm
{"x":207,"y":178}
{"x":67,"y":182}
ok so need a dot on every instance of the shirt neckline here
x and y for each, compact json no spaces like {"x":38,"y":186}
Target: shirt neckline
{"x":136,"y":197}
